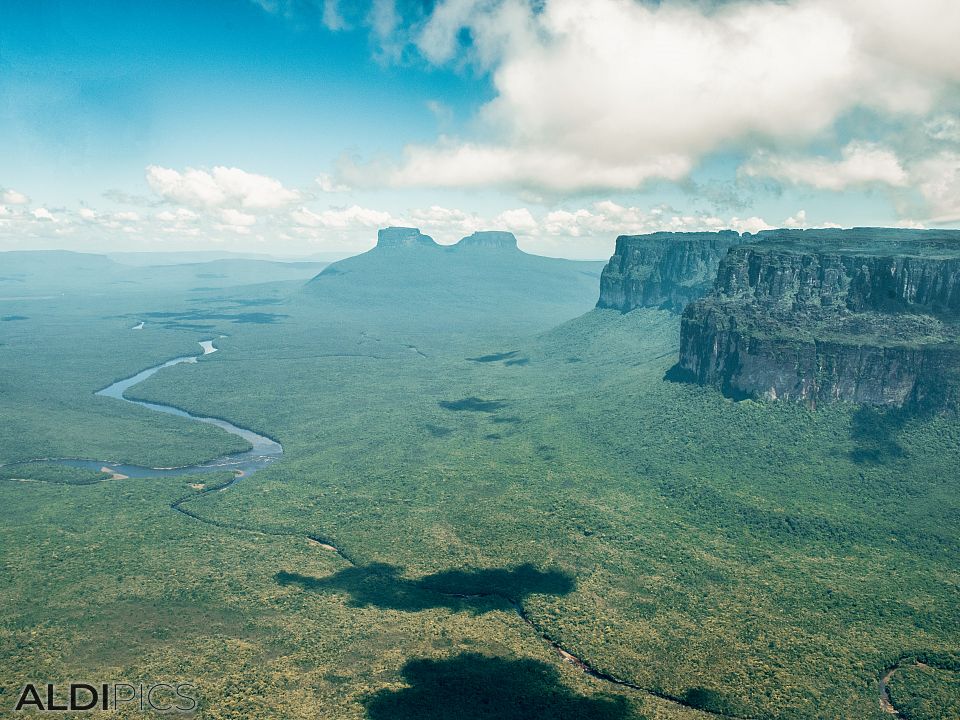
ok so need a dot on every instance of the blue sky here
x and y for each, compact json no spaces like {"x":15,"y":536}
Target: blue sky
{"x":98,"y":89}
{"x":299,"y":126}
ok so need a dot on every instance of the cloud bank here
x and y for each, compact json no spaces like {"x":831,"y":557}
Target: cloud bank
{"x":609,"y":94}
{"x":219,"y":187}
{"x":256,"y":213}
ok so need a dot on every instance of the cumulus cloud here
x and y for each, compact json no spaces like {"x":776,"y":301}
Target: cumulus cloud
{"x":332,"y":18}
{"x":219,"y":187}
{"x":944,"y":128}
{"x":342,"y":218}
{"x":444,"y":221}
{"x":751,"y":224}
{"x":544,"y":168}
{"x":236,"y":218}
{"x":606,"y":219}
{"x":799,"y":220}
{"x":519,"y":221}
{"x":938,"y":179}
{"x":612,"y":93}
{"x":860,"y":164}
{"x":179,"y":215}
{"x":12,"y":197}
{"x":327,"y":184}
{"x":573,"y":231}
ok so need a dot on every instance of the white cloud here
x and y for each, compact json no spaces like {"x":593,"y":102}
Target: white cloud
{"x":944,"y":128}
{"x":914,"y":39}
{"x":445,"y":225}
{"x":550,"y":169}
{"x":441,"y":111}
{"x":219,"y":187}
{"x":751,"y":224}
{"x":231,"y":216}
{"x":911,"y":224}
{"x":328,"y":185}
{"x":938,"y":179}
{"x":573,"y":231}
{"x":611,"y":93}
{"x":860,"y":164}
{"x":343,"y":218}
{"x":519,"y":221}
{"x":179,"y":215}
{"x":109,"y":221}
{"x":796,"y":221}
{"x":384,"y":19}
{"x":12,"y":197}
{"x":607,"y":219}
{"x":332,"y":19}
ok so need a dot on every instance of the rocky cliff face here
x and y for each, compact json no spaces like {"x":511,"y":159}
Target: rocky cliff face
{"x":833,"y":278}
{"x":488,"y":240}
{"x":724,"y":347}
{"x":667,"y":270}
{"x":846,"y":318}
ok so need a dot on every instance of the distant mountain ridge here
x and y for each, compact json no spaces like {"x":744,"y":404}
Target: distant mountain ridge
{"x":69,"y":271}
{"x":406,"y":237}
{"x":484,"y":273}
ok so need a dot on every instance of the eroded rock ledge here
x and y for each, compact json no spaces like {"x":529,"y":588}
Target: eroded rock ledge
{"x":866,"y":315}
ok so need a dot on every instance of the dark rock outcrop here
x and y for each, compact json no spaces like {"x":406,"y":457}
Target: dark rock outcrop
{"x":488,"y":240}
{"x":664,"y":269}
{"x":861,"y":316}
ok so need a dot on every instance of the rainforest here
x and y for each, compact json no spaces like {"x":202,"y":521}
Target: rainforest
{"x":479,"y":495}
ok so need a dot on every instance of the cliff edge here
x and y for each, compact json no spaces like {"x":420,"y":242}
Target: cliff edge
{"x":664,"y":269}
{"x":866,"y":315}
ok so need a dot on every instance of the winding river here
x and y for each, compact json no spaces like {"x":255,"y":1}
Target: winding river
{"x":264,"y":451}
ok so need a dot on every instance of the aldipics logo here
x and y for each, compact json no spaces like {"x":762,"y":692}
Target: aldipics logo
{"x":80,"y":697}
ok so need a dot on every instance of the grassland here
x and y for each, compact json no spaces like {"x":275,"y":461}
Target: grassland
{"x":468,"y":451}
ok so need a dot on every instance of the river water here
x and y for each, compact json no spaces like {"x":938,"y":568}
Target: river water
{"x":263,"y":452}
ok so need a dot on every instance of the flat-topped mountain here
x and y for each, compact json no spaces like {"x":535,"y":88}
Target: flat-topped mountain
{"x":483,"y":276}
{"x":403,"y":237}
{"x":865,"y":315}
{"x":488,"y":240}
{"x":663,"y":269}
